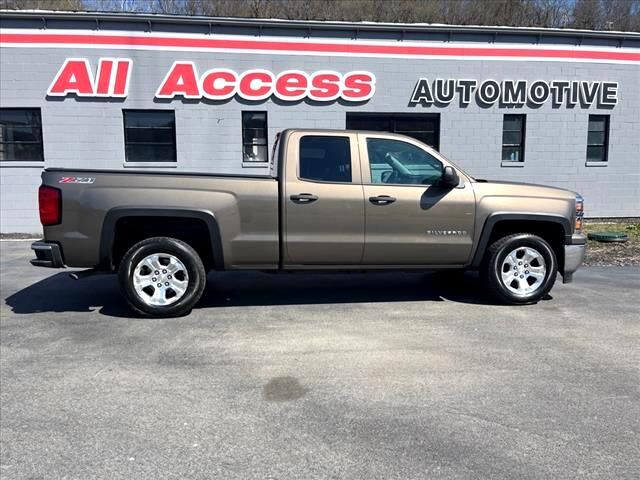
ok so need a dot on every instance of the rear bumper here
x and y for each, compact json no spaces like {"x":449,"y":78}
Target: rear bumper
{"x":47,"y":254}
{"x":573,"y":257}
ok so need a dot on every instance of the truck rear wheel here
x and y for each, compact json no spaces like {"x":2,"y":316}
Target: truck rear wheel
{"x":162,"y":277}
{"x":520,"y":268}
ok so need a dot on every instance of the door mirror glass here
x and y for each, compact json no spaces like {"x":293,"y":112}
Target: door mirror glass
{"x":401,"y":163}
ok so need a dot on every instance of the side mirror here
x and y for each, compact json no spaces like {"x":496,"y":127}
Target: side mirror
{"x":450,"y":177}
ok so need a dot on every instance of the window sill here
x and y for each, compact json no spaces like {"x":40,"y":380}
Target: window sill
{"x":150,"y":164}
{"x":6,"y":164}
{"x":597,"y":164}
{"x":512,"y":164}
{"x":255,"y":164}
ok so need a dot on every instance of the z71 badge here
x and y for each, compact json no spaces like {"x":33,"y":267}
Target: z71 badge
{"x":77,"y":180}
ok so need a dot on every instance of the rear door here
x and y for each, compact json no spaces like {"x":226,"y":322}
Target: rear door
{"x":323,"y":200}
{"x":412,"y":220}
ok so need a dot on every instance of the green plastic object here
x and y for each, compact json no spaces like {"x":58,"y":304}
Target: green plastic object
{"x":608,"y":237}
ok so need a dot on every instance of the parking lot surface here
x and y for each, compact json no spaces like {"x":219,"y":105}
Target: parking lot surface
{"x":385,"y":375}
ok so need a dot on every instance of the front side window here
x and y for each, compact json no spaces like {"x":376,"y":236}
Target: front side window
{"x":398,"y":162}
{"x":150,"y":135}
{"x":254,"y":137}
{"x":598,"y":138}
{"x":513,"y":127}
{"x":325,"y":158}
{"x":21,"y":135}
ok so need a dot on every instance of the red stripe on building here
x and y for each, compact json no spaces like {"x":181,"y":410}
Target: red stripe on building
{"x":304,"y":47}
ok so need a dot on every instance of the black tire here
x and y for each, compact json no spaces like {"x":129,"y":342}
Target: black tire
{"x":493,"y":267}
{"x":196,"y":282}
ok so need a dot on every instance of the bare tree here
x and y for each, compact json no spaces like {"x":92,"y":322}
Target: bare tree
{"x":618,"y":14}
{"x":74,"y":5}
{"x":588,"y":14}
{"x":551,"y":13}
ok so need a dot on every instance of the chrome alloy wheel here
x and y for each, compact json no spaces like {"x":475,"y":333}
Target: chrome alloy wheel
{"x":160,"y":279}
{"x":523,"y":271}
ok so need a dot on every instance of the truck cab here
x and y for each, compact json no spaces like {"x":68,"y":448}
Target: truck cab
{"x":372,"y":199}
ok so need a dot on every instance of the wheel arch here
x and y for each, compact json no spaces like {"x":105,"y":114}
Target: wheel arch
{"x":118,"y":214}
{"x":555,"y":229}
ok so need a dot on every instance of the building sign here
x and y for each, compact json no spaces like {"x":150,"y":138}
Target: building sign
{"x":442,"y":92}
{"x":182,"y":80}
{"x":75,"y":76}
{"x":113,"y":76}
{"x":258,"y":84}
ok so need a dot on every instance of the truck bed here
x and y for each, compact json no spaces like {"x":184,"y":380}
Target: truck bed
{"x":241,"y":211}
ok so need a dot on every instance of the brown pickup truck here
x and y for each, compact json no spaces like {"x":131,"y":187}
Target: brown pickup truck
{"x":335,"y":200}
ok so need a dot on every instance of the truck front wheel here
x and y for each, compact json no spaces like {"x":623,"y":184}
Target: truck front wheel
{"x":520,"y":268}
{"x":162,"y":277}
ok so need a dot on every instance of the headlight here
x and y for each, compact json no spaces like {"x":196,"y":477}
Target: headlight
{"x":579,"y":213}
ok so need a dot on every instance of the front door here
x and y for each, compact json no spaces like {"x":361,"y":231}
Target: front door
{"x":323,"y":200}
{"x":411,"y":219}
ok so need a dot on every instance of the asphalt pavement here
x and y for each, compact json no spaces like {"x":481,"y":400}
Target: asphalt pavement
{"x":352,"y":376}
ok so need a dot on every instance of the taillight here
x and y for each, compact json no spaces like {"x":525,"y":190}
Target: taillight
{"x":50,"y":203}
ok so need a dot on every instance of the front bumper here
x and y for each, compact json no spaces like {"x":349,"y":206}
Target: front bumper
{"x":573,"y":256}
{"x":47,"y":254}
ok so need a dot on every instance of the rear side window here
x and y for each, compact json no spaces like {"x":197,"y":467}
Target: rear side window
{"x":325,"y":159}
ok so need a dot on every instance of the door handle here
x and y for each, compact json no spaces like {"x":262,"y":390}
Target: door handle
{"x":303,"y":198}
{"x":382,"y":200}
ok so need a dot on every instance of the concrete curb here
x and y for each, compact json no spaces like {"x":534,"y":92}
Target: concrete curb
{"x":19,"y":239}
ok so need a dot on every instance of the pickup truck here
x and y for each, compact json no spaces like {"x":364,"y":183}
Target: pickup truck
{"x":334,"y":200}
